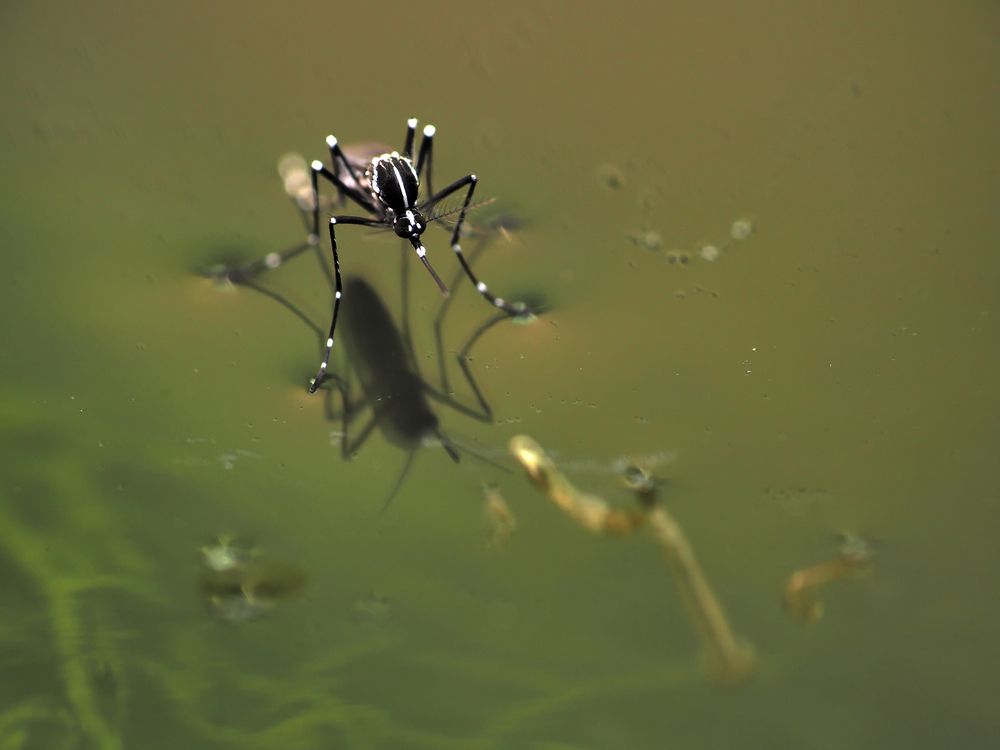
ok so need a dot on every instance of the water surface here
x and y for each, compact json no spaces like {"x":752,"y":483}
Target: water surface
{"x":835,"y":370}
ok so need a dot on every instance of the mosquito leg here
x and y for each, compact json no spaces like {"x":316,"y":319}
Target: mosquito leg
{"x":485,"y":414}
{"x":348,"y":449}
{"x":243,"y":273}
{"x":426,"y":156}
{"x":337,"y":159}
{"x":463,"y":359}
{"x":399,"y":480}
{"x":319,"y":170}
{"x":337,"y":155}
{"x":349,"y":411}
{"x":411,"y":129}
{"x":338,"y":291}
{"x":471,"y":180}
{"x":287,"y":304}
{"x":443,"y":311}
{"x":480,"y":286}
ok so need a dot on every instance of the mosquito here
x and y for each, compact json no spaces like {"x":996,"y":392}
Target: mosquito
{"x":389,"y":191}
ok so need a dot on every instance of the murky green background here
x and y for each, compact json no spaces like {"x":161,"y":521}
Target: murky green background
{"x":837,"y":370}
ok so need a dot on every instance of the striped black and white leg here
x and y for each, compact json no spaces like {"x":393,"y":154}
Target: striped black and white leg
{"x":318,"y":170}
{"x":411,"y":129}
{"x":426,"y":157}
{"x":470,"y":180}
{"x":338,"y":289}
{"x":337,"y":156}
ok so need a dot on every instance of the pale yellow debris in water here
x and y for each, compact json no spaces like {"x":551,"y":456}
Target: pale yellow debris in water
{"x":591,"y":511}
{"x":729,"y":660}
{"x":498,"y":515}
{"x":802,"y":584}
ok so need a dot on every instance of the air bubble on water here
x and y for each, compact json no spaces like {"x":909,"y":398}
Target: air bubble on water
{"x":741,"y":229}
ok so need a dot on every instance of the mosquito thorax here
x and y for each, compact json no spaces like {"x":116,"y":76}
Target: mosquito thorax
{"x":394,"y":182}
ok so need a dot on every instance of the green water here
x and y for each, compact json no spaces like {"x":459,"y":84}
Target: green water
{"x":836,"y":370}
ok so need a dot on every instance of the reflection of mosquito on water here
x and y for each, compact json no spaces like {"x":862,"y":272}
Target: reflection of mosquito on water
{"x":381,"y":359}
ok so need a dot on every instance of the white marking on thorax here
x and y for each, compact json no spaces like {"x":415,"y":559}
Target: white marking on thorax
{"x":402,"y":187}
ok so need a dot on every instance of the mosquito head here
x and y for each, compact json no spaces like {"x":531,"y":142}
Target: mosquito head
{"x":394,"y":183}
{"x":409,"y":224}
